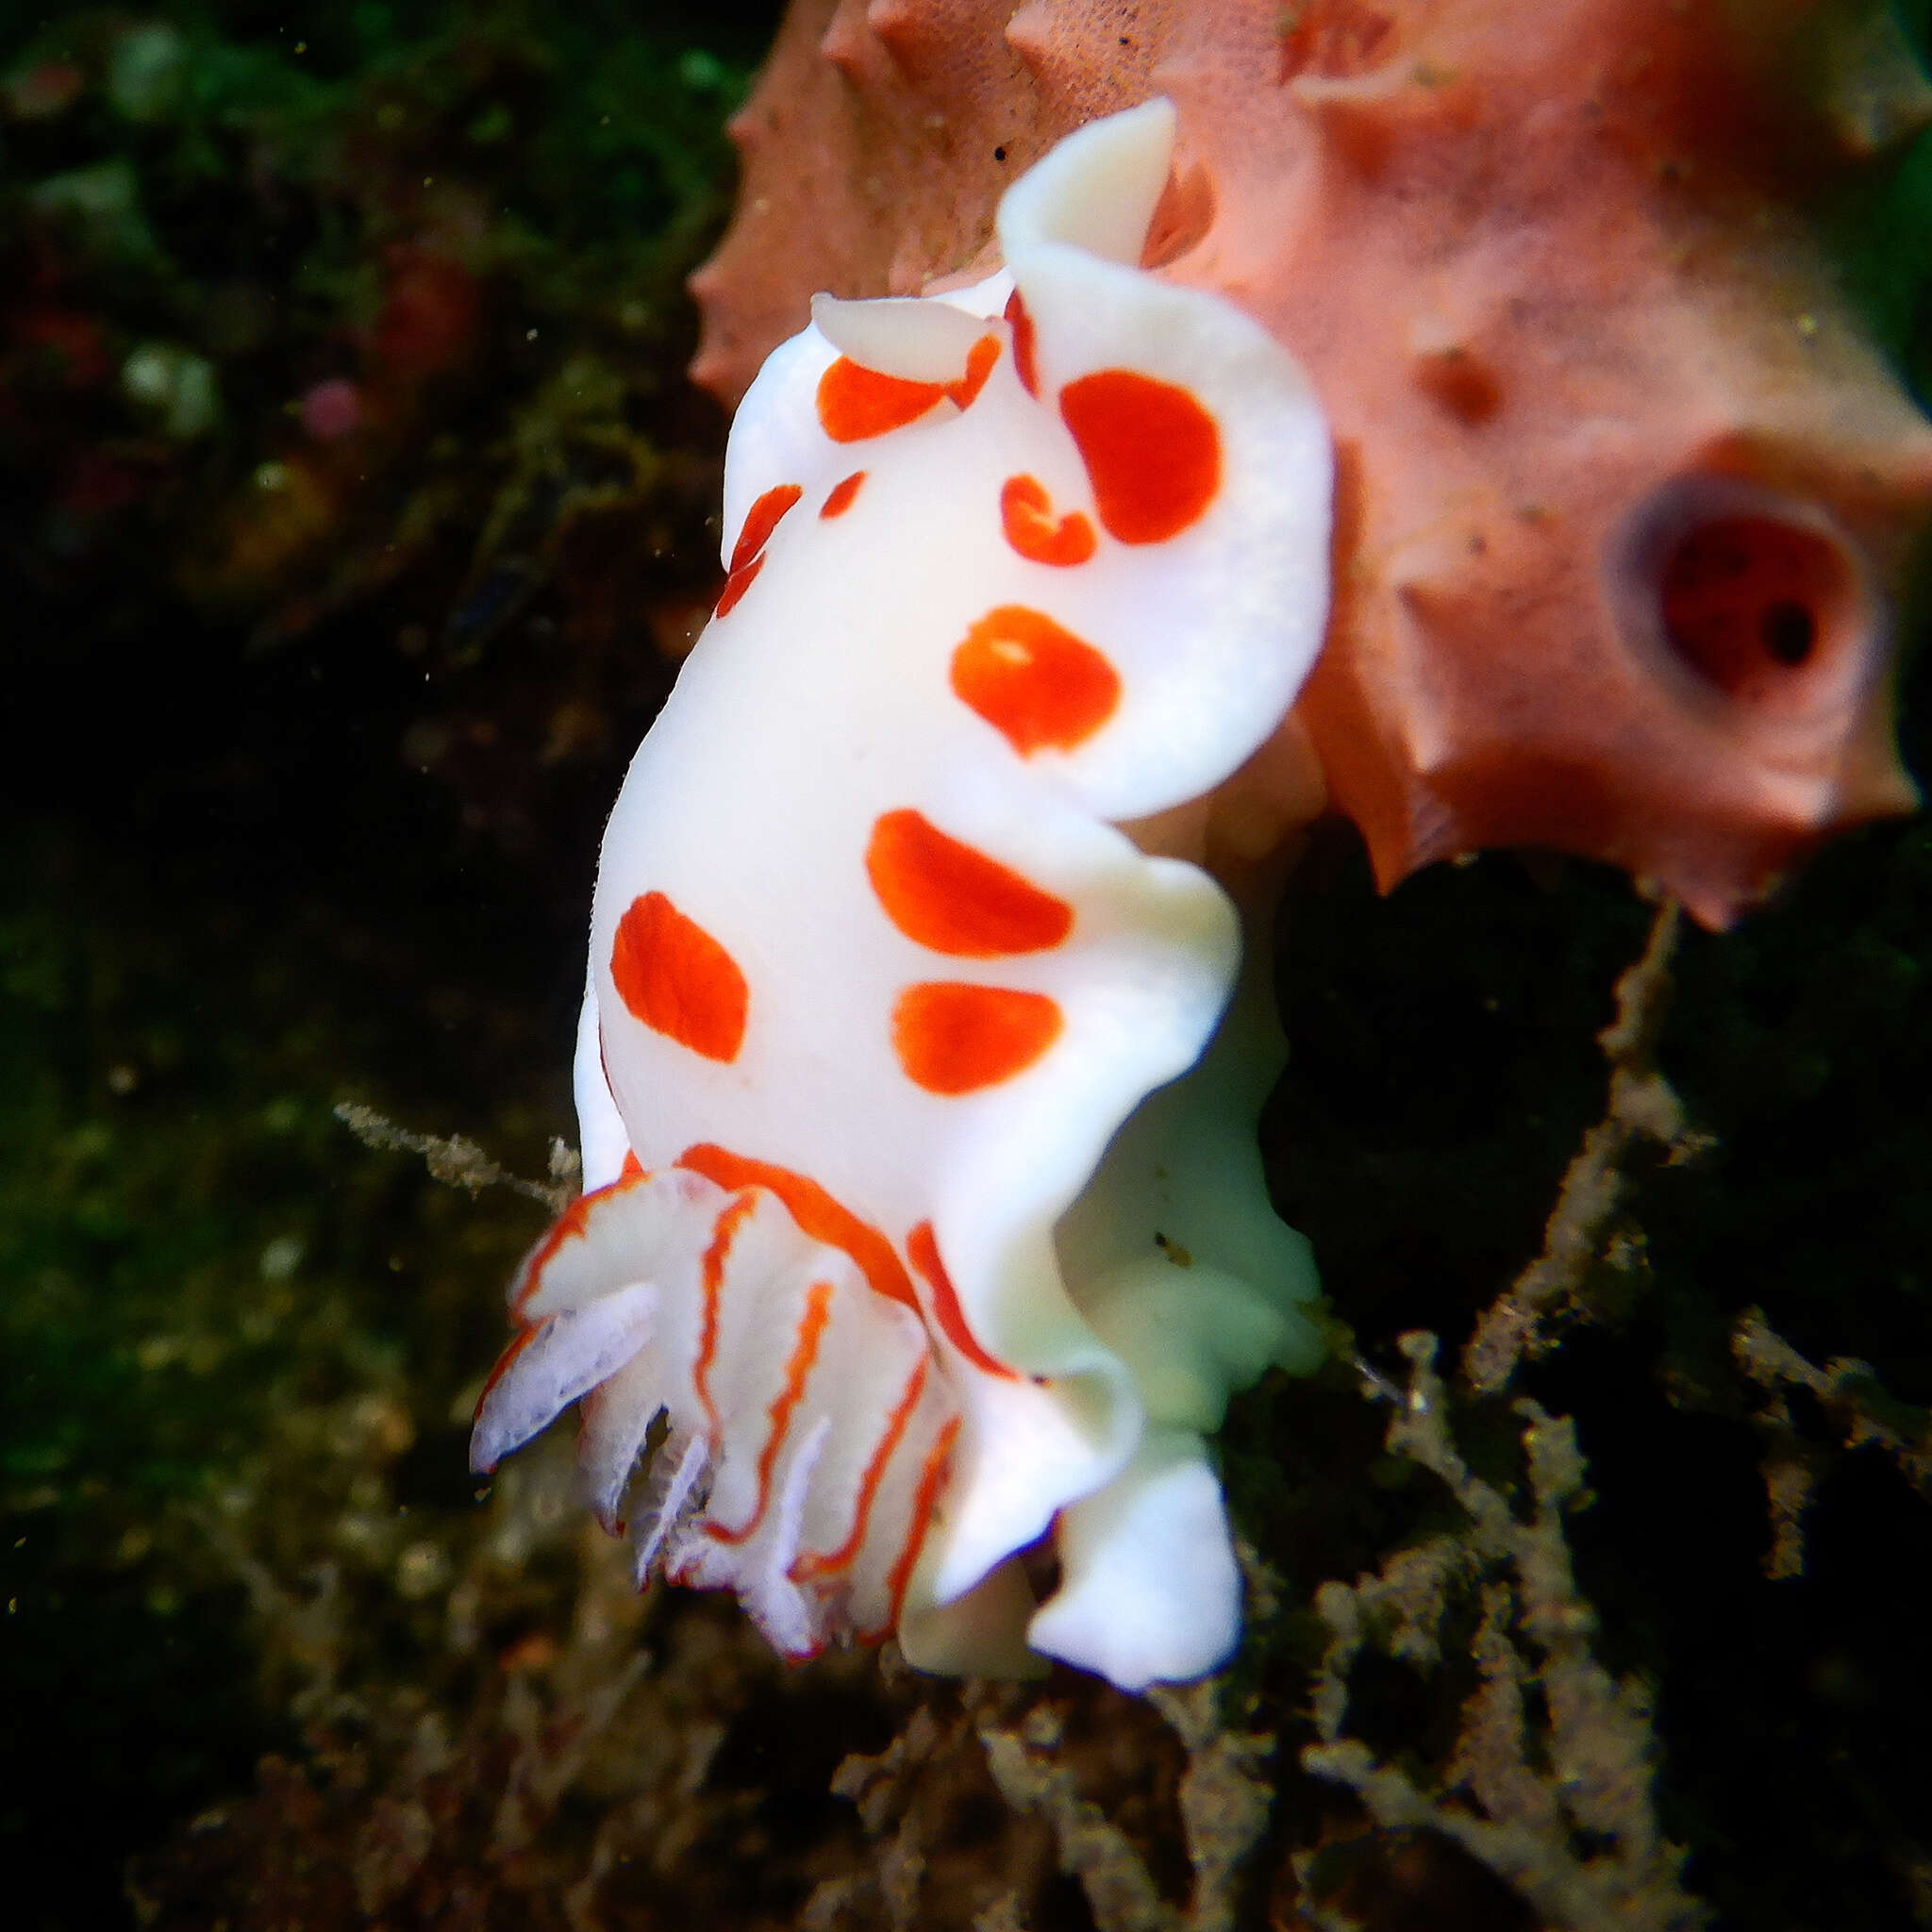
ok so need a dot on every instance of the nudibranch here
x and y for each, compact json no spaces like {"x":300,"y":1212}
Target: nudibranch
{"x":1624,"y":489}
{"x":914,"y":1209}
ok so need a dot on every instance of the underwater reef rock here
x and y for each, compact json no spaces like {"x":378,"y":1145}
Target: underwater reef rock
{"x":1624,"y":489}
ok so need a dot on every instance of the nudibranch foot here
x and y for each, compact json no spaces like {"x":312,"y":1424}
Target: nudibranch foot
{"x":1150,"y":1586}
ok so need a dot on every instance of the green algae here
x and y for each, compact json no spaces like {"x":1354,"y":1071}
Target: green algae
{"x":419,"y":205}
{"x":196,"y":1269}
{"x":232,"y":1343}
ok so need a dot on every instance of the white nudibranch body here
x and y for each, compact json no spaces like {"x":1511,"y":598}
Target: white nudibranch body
{"x":904,"y":1209}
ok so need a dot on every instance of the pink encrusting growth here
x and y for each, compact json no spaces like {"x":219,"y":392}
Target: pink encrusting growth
{"x":875,"y":977}
{"x":1551,"y":274}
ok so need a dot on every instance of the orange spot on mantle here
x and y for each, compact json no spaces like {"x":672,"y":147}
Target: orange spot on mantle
{"x":736,"y":585}
{"x":1152,"y":453}
{"x":954,"y":1038}
{"x":924,"y":1251}
{"x":816,"y":1212}
{"x":1027,"y":518}
{"x":838,"y":498}
{"x":979,"y":361}
{"x":1034,"y":681}
{"x":945,"y":895}
{"x":854,"y":402}
{"x":1024,"y":366}
{"x":672,"y":974}
{"x":748,"y":552}
{"x":760,"y":519}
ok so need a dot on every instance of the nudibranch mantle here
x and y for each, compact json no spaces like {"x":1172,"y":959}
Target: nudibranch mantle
{"x":877,"y":1220}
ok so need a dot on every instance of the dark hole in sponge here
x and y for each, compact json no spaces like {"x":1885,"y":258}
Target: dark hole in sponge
{"x":1789,"y":630}
{"x":1745,"y":599}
